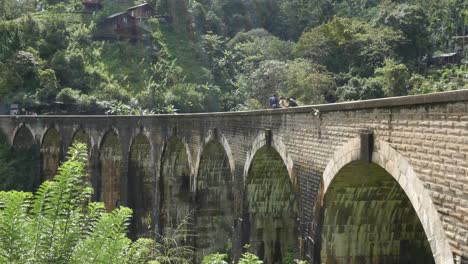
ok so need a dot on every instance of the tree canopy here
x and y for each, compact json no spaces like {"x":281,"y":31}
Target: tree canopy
{"x":227,"y":55}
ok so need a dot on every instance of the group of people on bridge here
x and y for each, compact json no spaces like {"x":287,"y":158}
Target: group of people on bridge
{"x":282,"y":102}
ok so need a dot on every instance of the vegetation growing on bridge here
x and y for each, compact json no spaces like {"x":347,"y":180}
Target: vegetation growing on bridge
{"x":226,"y":55}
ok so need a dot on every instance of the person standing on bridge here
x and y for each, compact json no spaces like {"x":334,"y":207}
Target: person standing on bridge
{"x":283,"y":103}
{"x":274,"y":102}
{"x":292,"y":102}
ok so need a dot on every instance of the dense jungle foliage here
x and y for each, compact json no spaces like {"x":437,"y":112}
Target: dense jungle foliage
{"x":224,"y":55}
{"x":59,"y":224}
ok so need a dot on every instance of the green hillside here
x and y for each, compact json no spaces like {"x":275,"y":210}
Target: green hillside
{"x":228,"y":55}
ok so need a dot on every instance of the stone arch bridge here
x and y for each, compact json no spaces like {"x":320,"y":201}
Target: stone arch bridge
{"x":378,"y":181}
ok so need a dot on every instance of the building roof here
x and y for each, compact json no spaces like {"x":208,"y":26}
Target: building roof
{"x":444,"y":55}
{"x":97,"y":2}
{"x":119,"y":14}
{"x":140,"y":5}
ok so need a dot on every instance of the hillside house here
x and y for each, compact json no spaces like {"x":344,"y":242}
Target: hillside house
{"x":120,"y":26}
{"x":92,"y":5}
{"x":446,"y":58}
{"x":129,"y":25}
{"x":141,"y":11}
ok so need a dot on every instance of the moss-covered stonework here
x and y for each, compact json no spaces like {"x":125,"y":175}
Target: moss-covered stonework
{"x":81,"y":137}
{"x":50,"y":154}
{"x":174,"y":186}
{"x":213,"y":215}
{"x":422,"y":141}
{"x":140,"y":186}
{"x":23,"y":139}
{"x":110,"y":157}
{"x":272,"y":208}
{"x":369,"y":219}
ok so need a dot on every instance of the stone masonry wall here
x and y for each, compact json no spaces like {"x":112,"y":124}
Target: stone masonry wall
{"x":430,"y":133}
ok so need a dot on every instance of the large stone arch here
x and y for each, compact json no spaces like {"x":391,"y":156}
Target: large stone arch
{"x":23,"y":157}
{"x":51,"y":153}
{"x":270,"y":201}
{"x":80,"y":135}
{"x":214,"y":136}
{"x":174,"y":188}
{"x":399,"y":168}
{"x":140,"y":185}
{"x":110,"y":169}
{"x":275,"y":142}
{"x":23,"y":137}
{"x":213,"y":197}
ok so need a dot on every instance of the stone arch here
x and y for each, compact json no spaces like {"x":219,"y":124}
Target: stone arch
{"x":110,"y":169}
{"x":140,"y":185}
{"x":215,"y":136}
{"x":399,"y":168}
{"x":24,"y":158}
{"x":271,"y":203}
{"x":23,"y":137}
{"x":213,"y":197}
{"x":51,"y":153}
{"x":81,"y":136}
{"x":174,"y":187}
{"x":277,"y":143}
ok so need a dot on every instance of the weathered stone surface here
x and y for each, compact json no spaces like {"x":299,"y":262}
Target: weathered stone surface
{"x":369,"y":219}
{"x":420,"y":141}
{"x":271,"y":207}
{"x":51,"y":154}
{"x":110,"y":157}
{"x":175,"y":191}
{"x":141,"y":186}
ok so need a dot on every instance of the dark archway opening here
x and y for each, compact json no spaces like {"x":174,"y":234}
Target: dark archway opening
{"x":174,"y":187}
{"x":369,"y":219}
{"x":213,"y":215}
{"x":18,"y":163}
{"x":271,"y":226}
{"x":140,"y":186}
{"x":51,"y":154}
{"x":110,"y":161}
{"x":81,"y":136}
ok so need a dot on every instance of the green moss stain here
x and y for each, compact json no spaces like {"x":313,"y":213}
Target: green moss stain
{"x":81,"y":137}
{"x":23,"y":139}
{"x":369,"y":219}
{"x":175,"y":186}
{"x":272,"y":208}
{"x":50,"y":154}
{"x":213,"y":215}
{"x":140,"y":186}
{"x":110,"y":159}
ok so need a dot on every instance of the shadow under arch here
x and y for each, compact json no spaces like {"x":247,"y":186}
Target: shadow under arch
{"x":23,"y":138}
{"x":174,"y":185}
{"x":387,"y":160}
{"x":213,"y":197}
{"x":110,"y":169}
{"x":19,"y":161}
{"x":276,"y":143}
{"x":81,"y":136}
{"x":140,"y":185}
{"x":51,"y":153}
{"x":270,"y":202}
